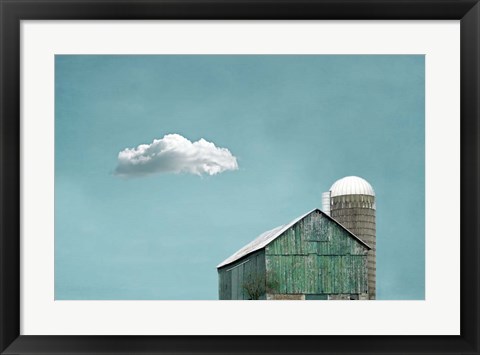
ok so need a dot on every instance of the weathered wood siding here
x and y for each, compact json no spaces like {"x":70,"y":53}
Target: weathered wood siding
{"x":316,"y":256}
{"x":233,"y":278}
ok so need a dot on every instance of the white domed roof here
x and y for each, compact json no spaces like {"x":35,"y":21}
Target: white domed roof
{"x":351,"y":185}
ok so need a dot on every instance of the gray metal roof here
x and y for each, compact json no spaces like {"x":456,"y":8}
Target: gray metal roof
{"x":269,"y":236}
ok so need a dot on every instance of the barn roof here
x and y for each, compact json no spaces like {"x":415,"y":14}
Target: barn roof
{"x":269,"y":236}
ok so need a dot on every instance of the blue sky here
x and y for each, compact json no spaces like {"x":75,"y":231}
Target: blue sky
{"x":293,"y":125}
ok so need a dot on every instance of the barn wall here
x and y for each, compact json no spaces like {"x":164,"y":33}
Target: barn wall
{"x":316,"y":256}
{"x":246,"y":273}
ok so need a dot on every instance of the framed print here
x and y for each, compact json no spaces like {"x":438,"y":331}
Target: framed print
{"x":182,"y":177}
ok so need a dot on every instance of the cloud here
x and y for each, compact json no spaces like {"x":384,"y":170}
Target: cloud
{"x":175,"y":154}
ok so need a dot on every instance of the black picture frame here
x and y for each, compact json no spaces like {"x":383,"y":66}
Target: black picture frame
{"x":14,"y":11}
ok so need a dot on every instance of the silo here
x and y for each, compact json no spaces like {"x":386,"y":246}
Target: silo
{"x":352,"y":204}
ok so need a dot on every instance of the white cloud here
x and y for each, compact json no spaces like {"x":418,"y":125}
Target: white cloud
{"x":175,"y":154}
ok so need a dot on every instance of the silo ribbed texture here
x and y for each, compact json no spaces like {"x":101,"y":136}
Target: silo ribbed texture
{"x":356,"y":212}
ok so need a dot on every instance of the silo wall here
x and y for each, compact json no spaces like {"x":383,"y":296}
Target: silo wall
{"x":357,"y":213}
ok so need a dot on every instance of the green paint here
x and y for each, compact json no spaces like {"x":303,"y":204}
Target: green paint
{"x":316,"y":256}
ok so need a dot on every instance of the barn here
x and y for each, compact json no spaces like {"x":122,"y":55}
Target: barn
{"x":311,"y":258}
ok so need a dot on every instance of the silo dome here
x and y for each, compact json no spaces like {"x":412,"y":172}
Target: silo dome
{"x":351,"y":185}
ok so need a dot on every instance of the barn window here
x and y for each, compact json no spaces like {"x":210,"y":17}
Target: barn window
{"x":316,"y":297}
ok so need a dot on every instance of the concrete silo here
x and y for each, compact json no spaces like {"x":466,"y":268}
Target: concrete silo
{"x":351,"y":202}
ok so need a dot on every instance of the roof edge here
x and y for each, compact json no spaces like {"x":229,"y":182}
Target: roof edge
{"x":284,"y":228}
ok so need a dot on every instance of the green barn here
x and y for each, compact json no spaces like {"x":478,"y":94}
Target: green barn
{"x":311,"y":258}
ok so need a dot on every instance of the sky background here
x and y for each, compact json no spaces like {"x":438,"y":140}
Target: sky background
{"x":295,"y":124}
